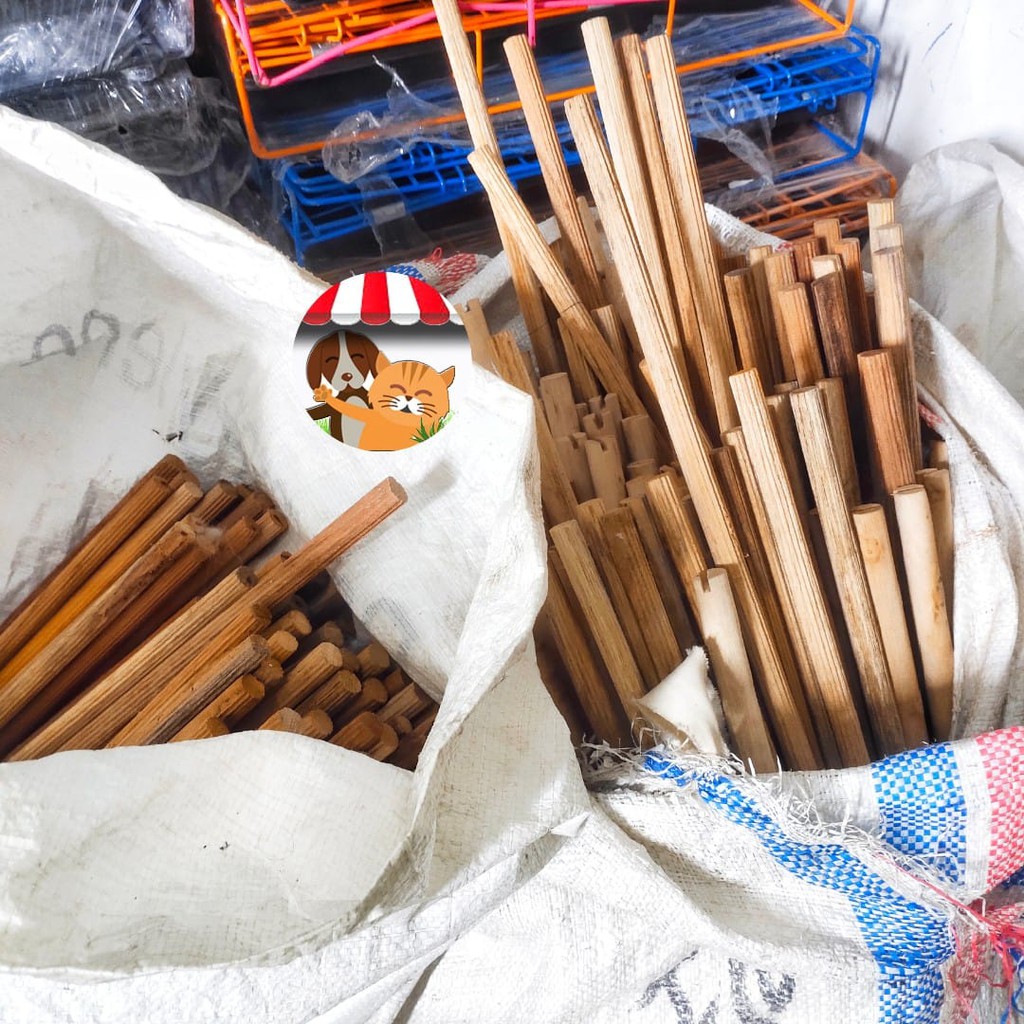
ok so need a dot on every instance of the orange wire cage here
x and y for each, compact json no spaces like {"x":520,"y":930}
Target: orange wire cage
{"x":283,"y":39}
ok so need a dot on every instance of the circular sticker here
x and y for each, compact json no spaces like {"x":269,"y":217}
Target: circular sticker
{"x":383,"y":356}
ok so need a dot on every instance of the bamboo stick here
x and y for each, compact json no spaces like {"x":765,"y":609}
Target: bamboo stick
{"x":847,"y":569}
{"x":886,"y":424}
{"x":563,"y":296}
{"x":333,"y":695}
{"x":940,"y":501}
{"x":892,"y":313}
{"x":706,"y":283}
{"x":834,"y":394}
{"x":598,"y":700}
{"x":177,"y":703}
{"x":813,"y":622}
{"x":687,"y":436}
{"x":585,"y":582}
{"x":927,"y":603}
{"x":731,"y":666}
{"x":227,"y":708}
{"x":582,"y":268}
{"x":880,"y":568}
{"x":751,"y":339}
{"x":520,"y":263}
{"x":556,"y":491}
{"x":796,"y":325}
{"x":630,"y":560}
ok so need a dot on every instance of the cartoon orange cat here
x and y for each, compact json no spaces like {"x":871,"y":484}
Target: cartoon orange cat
{"x":408,"y":403}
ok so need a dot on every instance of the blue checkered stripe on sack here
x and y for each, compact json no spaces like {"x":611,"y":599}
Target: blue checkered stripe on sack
{"x":908,"y":941}
{"x":921,"y":808}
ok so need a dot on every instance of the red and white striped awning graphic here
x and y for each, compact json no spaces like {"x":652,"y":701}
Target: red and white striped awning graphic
{"x":380,"y":298}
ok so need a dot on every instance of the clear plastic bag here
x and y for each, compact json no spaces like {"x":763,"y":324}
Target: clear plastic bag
{"x":45,"y":41}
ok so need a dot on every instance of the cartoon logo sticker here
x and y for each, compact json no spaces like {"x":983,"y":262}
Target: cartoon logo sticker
{"x":380,"y":353}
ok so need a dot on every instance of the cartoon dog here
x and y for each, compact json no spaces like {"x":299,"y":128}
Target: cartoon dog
{"x":346,"y":365}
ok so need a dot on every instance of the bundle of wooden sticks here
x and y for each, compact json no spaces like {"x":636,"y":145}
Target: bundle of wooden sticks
{"x":155,"y":629}
{"x":730,"y":445}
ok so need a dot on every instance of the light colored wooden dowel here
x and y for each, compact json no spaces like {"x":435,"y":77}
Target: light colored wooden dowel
{"x":756,"y":257}
{"x":780,"y":272}
{"x":572,"y":454}
{"x":563,"y":296}
{"x":176,"y":505}
{"x":593,"y":234}
{"x":585,"y":581}
{"x":692,"y":346}
{"x":72,"y":641}
{"x":628,"y":158}
{"x":889,"y":236}
{"x":668,"y":583}
{"x":69,"y":577}
{"x":940,"y":501}
{"x":796,"y":323}
{"x":216,"y":501}
{"x":834,"y":394}
{"x":641,"y":441}
{"x":609,"y":323}
{"x":474,"y":105}
{"x":556,"y":491}
{"x":858,"y":609}
{"x":478,"y":332}
{"x":227,"y":708}
{"x":334,"y":695}
{"x":559,"y":405}
{"x":598,"y":699}
{"x":938,"y":456}
{"x":832,"y":308}
{"x":630,"y":560}
{"x":589,"y":516}
{"x":605,"y":463}
{"x":829,"y":230}
{"x":789,"y":443}
{"x":189,"y":692}
{"x":892,"y":315}
{"x":679,"y":532}
{"x":880,"y":213}
{"x":688,"y":439}
{"x":828,"y":263}
{"x":541,"y":125}
{"x":880,"y":568}
{"x":885,"y":420}
{"x":733,"y":675}
{"x":848,"y":250}
{"x":751,"y":340}
{"x":927,"y":603}
{"x":804,"y":251}
{"x":706,"y":283}
{"x":813,"y":620}
{"x":777,"y":600}
{"x":584,"y":383}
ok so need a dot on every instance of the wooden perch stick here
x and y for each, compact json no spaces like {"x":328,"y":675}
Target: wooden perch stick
{"x":927,"y":603}
{"x":733,"y":676}
{"x":688,"y":439}
{"x":847,"y":569}
{"x":582,"y":267}
{"x":833,"y":697}
{"x":880,"y":568}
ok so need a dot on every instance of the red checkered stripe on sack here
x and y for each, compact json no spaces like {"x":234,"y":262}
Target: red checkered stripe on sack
{"x":1002,"y":758}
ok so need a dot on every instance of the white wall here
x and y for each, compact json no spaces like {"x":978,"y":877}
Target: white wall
{"x":951,"y":70}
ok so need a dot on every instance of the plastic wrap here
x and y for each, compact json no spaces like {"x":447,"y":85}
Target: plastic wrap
{"x":45,"y":41}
